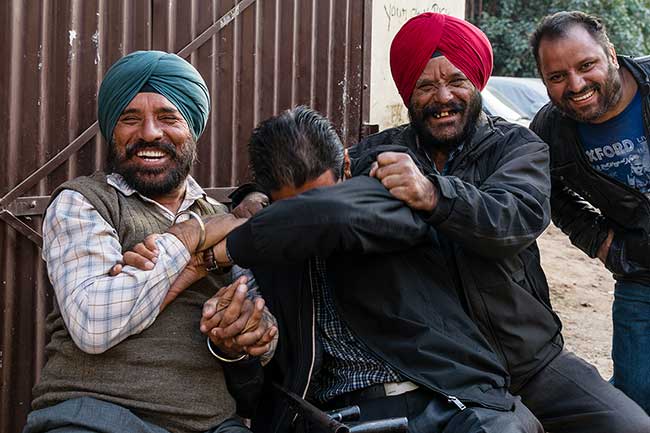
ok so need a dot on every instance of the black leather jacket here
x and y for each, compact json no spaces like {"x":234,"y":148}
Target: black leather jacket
{"x":391,"y":288}
{"x":494,"y":203}
{"x":585,"y":203}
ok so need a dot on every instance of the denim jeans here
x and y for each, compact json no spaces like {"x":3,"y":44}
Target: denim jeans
{"x":631,"y":341}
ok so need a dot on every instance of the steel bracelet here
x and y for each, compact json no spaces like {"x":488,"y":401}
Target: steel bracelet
{"x":193,"y":215}
{"x":221,"y":358}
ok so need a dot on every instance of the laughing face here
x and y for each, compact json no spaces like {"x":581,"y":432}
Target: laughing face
{"x":445,"y":104}
{"x":581,"y":76}
{"x":152,"y":146}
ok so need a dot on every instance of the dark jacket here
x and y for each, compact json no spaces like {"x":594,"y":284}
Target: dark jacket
{"x":389,"y":285}
{"x":493,"y":204}
{"x":585,"y":203}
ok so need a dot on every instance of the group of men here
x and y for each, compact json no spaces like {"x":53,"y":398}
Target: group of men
{"x":400,"y":275}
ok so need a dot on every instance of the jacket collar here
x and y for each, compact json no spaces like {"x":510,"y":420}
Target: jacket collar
{"x":639,"y":72}
{"x":410,"y":138}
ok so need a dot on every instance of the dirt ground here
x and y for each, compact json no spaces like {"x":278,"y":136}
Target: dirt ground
{"x":582,"y":291}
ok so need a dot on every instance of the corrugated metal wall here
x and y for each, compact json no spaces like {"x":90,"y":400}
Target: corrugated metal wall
{"x":269,"y":55}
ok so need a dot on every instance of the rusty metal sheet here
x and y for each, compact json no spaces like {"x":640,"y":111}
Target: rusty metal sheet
{"x":258,"y":58}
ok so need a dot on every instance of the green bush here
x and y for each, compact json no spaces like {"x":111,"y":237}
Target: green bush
{"x":509,"y":23}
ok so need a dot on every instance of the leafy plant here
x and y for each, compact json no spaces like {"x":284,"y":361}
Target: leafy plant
{"x":509,"y":24}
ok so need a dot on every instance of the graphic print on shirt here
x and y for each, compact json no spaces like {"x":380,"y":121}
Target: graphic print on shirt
{"x":619,"y":147}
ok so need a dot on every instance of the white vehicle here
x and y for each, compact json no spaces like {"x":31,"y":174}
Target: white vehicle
{"x":524,"y":95}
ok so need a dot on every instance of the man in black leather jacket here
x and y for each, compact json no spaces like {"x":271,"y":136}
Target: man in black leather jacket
{"x":596,"y":126}
{"x":367,"y":312}
{"x":485,"y":189}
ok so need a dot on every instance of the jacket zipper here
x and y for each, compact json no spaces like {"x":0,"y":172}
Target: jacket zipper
{"x":313,"y":332}
{"x":313,"y":341}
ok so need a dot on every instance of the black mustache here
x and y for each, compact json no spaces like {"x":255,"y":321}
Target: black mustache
{"x":134,"y":148}
{"x":456,"y":107}
{"x":569,"y":93}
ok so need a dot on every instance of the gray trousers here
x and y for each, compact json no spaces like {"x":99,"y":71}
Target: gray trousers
{"x":428,"y":412}
{"x":86,"y":415}
{"x":570,"y":396}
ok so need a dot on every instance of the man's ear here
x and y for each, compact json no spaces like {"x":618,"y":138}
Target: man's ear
{"x":347,"y":171}
{"x":612,"y":54}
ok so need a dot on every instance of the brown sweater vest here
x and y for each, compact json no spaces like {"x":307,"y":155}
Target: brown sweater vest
{"x":164,"y":374}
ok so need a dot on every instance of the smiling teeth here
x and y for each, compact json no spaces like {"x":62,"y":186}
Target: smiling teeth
{"x":583,"y":97}
{"x":443,"y":114}
{"x":151,"y":154}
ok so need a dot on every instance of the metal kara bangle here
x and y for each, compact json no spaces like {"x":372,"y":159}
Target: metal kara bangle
{"x":193,"y":215}
{"x":221,"y":358}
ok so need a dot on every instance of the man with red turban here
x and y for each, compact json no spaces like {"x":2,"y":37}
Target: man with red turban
{"x":483,"y":184}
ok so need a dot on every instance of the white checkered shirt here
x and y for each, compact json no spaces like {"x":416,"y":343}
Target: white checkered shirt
{"x":80,"y":247}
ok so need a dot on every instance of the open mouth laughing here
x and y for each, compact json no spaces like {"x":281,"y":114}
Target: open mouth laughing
{"x":583,"y":96}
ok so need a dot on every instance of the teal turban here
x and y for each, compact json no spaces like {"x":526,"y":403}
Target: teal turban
{"x":160,"y":72}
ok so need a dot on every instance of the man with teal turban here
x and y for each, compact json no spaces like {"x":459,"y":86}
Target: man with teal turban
{"x":126,"y":352}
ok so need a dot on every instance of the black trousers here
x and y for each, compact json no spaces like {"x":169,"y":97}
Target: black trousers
{"x":428,"y":412}
{"x":570,"y":396}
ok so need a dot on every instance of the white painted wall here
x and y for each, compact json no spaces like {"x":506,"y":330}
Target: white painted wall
{"x":388,"y":16}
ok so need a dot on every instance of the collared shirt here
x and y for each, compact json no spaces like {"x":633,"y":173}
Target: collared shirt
{"x":453,"y":153}
{"x":347,"y":364}
{"x":80,"y":247}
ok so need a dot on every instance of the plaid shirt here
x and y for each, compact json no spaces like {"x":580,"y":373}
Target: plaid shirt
{"x":347,"y":364}
{"x":80,"y":247}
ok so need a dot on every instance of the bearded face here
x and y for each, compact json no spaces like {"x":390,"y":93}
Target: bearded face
{"x":152,"y":147}
{"x":444,"y":134}
{"x":445,"y":105}
{"x":581,"y":75}
{"x":140,"y":166}
{"x":605,"y":95}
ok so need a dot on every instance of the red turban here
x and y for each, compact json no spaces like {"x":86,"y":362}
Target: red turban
{"x":463,"y":44}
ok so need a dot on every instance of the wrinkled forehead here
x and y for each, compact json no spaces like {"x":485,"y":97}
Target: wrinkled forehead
{"x":440,"y":67}
{"x":150,"y":101}
{"x":569,"y":46}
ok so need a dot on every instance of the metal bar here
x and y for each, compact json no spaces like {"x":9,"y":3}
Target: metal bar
{"x":22,"y":228}
{"x":367,"y":61}
{"x":214,"y":28}
{"x":36,"y":205}
{"x":91,"y":131}
{"x":49,"y":166}
{"x":29,"y":206}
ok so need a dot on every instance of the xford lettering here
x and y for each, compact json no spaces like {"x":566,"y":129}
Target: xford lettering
{"x":609,"y":151}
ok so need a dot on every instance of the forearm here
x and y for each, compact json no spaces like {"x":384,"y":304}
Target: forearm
{"x":358,"y":216}
{"x":101,"y":311}
{"x":586,"y":227}
{"x":80,"y":248}
{"x":504,"y":213}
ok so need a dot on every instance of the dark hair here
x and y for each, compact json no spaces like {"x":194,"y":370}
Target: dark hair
{"x":292,"y":148}
{"x":557,"y":25}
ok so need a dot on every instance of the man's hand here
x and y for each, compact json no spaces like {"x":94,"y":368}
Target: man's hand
{"x":144,"y":256}
{"x":250,"y":205}
{"x":399,"y":174}
{"x":235,"y":323}
{"x":603,"y":250}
